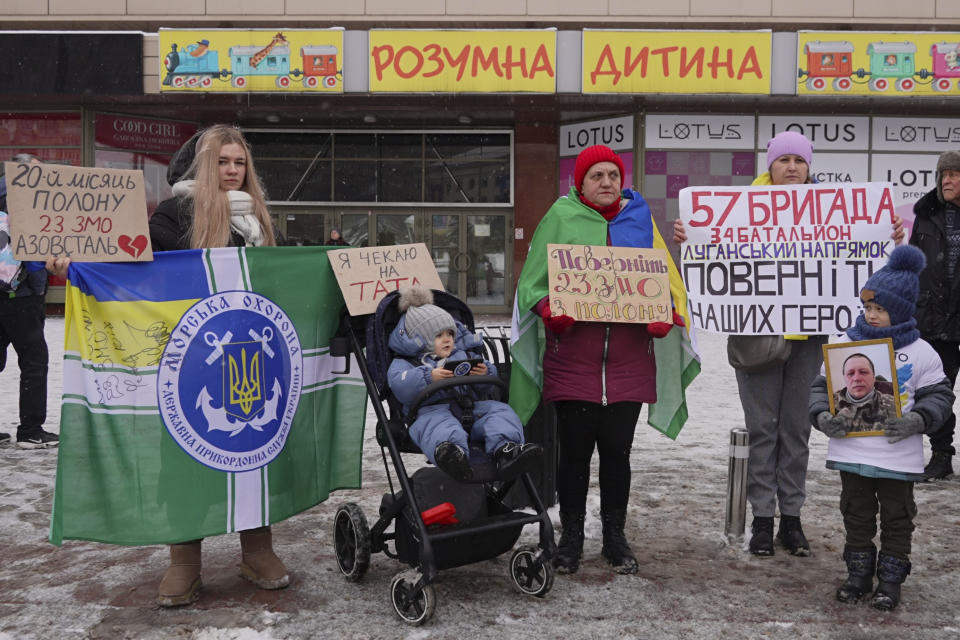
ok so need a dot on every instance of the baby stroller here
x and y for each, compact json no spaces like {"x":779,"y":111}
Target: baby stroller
{"x":483,"y":527}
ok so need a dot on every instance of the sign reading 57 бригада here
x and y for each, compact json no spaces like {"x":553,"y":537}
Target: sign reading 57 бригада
{"x":785,"y":259}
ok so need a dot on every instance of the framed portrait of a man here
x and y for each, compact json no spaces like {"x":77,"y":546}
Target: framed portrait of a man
{"x":862,"y":379}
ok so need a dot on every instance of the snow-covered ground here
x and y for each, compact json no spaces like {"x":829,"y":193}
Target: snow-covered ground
{"x":691,"y":583}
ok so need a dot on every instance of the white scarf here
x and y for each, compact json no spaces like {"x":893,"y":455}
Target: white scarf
{"x":242,"y":219}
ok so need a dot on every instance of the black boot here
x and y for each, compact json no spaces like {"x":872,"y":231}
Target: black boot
{"x":570,"y":549}
{"x":761,"y":542}
{"x":891,"y":572}
{"x":939,"y":467}
{"x":615,"y":548}
{"x":860,"y":566}
{"x":790,"y":535}
{"x":453,"y":460}
{"x":513,"y":459}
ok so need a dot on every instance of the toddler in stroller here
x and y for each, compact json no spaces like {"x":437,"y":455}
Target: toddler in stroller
{"x":431,"y":520}
{"x":432,"y":346}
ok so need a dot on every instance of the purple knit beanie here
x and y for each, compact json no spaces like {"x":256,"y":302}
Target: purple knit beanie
{"x":789,"y":142}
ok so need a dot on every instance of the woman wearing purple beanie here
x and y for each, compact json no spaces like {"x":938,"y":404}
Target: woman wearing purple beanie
{"x":773,"y":409}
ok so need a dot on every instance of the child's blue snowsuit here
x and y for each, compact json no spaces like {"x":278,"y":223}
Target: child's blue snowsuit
{"x":495,"y":423}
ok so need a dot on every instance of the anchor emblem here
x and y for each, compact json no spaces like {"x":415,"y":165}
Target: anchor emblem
{"x":244,"y":402}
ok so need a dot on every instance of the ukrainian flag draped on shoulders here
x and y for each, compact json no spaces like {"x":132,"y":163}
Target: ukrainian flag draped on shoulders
{"x":569,"y":221}
{"x":200,"y":395}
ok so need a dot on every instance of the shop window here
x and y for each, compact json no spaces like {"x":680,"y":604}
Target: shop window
{"x":355,"y":181}
{"x":52,"y":137}
{"x":384,"y":167}
{"x":305,"y":230}
{"x":457,"y":161}
{"x":147,"y":144}
{"x":292,"y":179}
{"x":294,"y":170}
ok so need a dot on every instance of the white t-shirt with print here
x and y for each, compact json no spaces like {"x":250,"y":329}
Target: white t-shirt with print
{"x":918,"y":366}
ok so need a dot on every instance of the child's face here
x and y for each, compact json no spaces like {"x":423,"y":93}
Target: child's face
{"x":875,"y":315}
{"x":443,"y":344}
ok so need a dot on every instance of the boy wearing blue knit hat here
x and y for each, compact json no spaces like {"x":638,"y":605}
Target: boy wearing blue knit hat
{"x":877,"y":472}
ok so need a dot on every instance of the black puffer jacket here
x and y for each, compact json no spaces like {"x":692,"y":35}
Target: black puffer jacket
{"x":938,"y":305}
{"x":170,"y":226}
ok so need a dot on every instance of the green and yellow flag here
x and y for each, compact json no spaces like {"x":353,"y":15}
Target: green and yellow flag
{"x":200,"y":396}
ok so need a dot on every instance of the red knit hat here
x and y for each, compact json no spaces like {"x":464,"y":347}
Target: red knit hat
{"x":591,"y":156}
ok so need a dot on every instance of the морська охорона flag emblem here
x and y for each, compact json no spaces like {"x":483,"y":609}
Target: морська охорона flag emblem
{"x":229,"y":381}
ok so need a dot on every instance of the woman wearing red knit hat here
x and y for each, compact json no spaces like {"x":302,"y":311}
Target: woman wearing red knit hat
{"x":596,"y":374}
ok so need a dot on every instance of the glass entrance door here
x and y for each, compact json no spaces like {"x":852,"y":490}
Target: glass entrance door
{"x":486,"y":249}
{"x":445,"y":249}
{"x":369,"y":229}
{"x":472,"y":255}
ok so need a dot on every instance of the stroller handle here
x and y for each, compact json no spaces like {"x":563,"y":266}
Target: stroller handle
{"x":457,"y":381}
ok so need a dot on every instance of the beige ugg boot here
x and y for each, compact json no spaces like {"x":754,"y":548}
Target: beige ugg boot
{"x":260,"y":565}
{"x":181,"y":584}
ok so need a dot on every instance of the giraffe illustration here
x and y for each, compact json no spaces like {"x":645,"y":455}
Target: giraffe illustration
{"x":258,"y":57}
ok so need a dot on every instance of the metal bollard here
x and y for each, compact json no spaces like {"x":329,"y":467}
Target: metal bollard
{"x":736,"y":521}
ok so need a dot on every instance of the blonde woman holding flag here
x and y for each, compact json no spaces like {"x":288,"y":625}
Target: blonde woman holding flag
{"x":219,"y":202}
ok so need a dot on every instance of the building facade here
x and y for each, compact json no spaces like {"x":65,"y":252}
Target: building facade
{"x":456,"y":123}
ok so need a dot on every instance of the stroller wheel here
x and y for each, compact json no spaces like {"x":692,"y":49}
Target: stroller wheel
{"x":531,"y":575}
{"x":412,"y":608}
{"x":351,"y":541}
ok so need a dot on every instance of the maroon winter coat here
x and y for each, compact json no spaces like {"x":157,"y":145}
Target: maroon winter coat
{"x":600,"y":362}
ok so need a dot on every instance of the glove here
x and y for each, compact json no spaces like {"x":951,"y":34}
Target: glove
{"x":832,"y":426}
{"x":557,"y":324}
{"x":896,"y":429}
{"x":661,"y":329}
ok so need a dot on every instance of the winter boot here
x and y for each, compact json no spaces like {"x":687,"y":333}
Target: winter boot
{"x":570,"y":549}
{"x":615,"y":548}
{"x":939,"y":467}
{"x":761,"y":540}
{"x":891,"y":572}
{"x":260,"y":565}
{"x":790,"y":535}
{"x":181,"y":583}
{"x":860,"y":566}
{"x":453,"y":461}
{"x":513,"y":458}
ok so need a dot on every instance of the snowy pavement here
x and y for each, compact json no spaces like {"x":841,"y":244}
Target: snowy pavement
{"x":691,"y":584}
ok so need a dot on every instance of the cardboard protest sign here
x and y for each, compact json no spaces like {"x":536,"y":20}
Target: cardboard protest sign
{"x":86,"y":214}
{"x":787,"y":259}
{"x":609,"y":284}
{"x":367,"y":274}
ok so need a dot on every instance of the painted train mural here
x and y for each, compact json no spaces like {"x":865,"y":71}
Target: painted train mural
{"x":198,"y":66}
{"x":892,"y":65}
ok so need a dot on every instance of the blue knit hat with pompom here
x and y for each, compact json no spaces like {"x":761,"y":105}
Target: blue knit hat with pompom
{"x":895,"y":286}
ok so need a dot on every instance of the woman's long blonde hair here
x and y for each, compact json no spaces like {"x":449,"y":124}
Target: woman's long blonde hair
{"x":210,"y":225}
